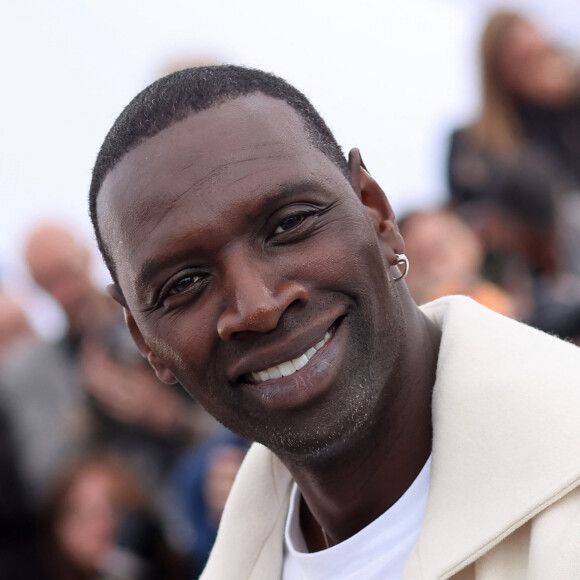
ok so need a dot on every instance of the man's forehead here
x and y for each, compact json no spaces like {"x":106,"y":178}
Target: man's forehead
{"x":231,"y":129}
{"x":248,"y":139}
{"x":233,"y":122}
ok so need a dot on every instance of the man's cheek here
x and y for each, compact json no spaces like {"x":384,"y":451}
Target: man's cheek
{"x":328,"y":266}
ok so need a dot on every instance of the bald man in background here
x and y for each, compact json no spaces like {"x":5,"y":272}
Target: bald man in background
{"x":60,"y":264}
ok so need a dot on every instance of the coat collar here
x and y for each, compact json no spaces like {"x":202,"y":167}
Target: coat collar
{"x":506,"y":433}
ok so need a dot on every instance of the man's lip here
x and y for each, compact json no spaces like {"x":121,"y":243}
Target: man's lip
{"x":301,"y":388}
{"x":289,"y":348}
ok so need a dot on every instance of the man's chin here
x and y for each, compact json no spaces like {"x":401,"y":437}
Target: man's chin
{"x":316,"y":443}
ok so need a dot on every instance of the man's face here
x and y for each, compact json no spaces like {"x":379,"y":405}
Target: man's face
{"x":244,"y":254}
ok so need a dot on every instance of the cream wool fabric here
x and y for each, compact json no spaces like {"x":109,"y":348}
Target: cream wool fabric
{"x":504,"y":502}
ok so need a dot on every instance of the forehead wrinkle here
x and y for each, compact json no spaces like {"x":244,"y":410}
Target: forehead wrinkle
{"x":269,"y":144}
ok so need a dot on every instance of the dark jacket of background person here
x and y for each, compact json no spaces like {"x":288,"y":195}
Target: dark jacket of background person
{"x":190,"y":481}
{"x":19,"y":555}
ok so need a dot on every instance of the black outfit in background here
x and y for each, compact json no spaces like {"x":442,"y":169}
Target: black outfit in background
{"x":536,"y":188}
{"x":19,"y":555}
{"x":551,"y":135}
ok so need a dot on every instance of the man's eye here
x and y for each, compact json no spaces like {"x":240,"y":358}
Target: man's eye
{"x":289,"y":223}
{"x":182,"y":285}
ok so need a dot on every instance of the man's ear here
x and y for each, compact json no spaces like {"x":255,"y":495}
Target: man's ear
{"x":162,"y":372}
{"x":377,"y":206}
{"x":115,"y":293}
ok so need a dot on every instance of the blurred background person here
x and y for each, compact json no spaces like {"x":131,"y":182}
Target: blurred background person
{"x":530,"y":112}
{"x":19,"y":556}
{"x":509,"y":260}
{"x":19,"y":553}
{"x":90,"y":389}
{"x":530,"y":101}
{"x":526,"y":252}
{"x":15,"y":328}
{"x":447,"y":258}
{"x":200,"y":484}
{"x":514,"y":174}
{"x":99,"y":524}
{"x":40,"y":386}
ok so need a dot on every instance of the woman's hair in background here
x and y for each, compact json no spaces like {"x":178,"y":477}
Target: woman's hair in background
{"x":498,"y":127}
{"x":127,"y":495}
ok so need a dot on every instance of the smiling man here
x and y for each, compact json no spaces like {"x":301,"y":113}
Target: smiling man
{"x":259,"y":268}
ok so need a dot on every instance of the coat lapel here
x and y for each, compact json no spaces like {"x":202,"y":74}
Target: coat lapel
{"x":506,"y":434}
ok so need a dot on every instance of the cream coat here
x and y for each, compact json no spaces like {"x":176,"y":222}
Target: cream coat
{"x":504,"y":501}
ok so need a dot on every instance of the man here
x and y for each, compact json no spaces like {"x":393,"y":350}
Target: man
{"x":259,"y":269}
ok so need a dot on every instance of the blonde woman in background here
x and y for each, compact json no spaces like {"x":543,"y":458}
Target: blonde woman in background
{"x":530,"y":105}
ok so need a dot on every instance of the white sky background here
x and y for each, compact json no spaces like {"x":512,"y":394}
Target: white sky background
{"x":391,"y":77}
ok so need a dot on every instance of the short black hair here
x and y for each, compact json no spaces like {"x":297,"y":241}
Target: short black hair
{"x":178,"y":95}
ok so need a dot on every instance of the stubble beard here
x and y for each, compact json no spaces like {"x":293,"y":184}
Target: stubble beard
{"x":354,"y":415}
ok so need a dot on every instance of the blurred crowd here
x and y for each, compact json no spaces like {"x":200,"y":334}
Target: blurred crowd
{"x":509,"y":233}
{"x":107,"y":473}
{"x":101,"y":465}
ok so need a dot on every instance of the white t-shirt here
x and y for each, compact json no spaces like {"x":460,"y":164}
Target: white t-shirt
{"x":378,"y":552}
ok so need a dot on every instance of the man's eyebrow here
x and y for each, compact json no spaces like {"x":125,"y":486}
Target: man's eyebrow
{"x":287,"y":190}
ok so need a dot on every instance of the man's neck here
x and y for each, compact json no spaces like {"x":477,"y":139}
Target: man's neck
{"x":343,"y":495}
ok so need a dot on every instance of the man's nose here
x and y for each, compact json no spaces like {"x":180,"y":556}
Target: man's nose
{"x":256,"y":300}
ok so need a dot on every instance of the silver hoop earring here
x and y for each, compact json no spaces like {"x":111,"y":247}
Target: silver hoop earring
{"x":402,"y":259}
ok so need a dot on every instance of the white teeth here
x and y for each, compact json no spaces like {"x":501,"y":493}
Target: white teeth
{"x":287,"y":368}
{"x":300,"y":362}
{"x":290,"y":367}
